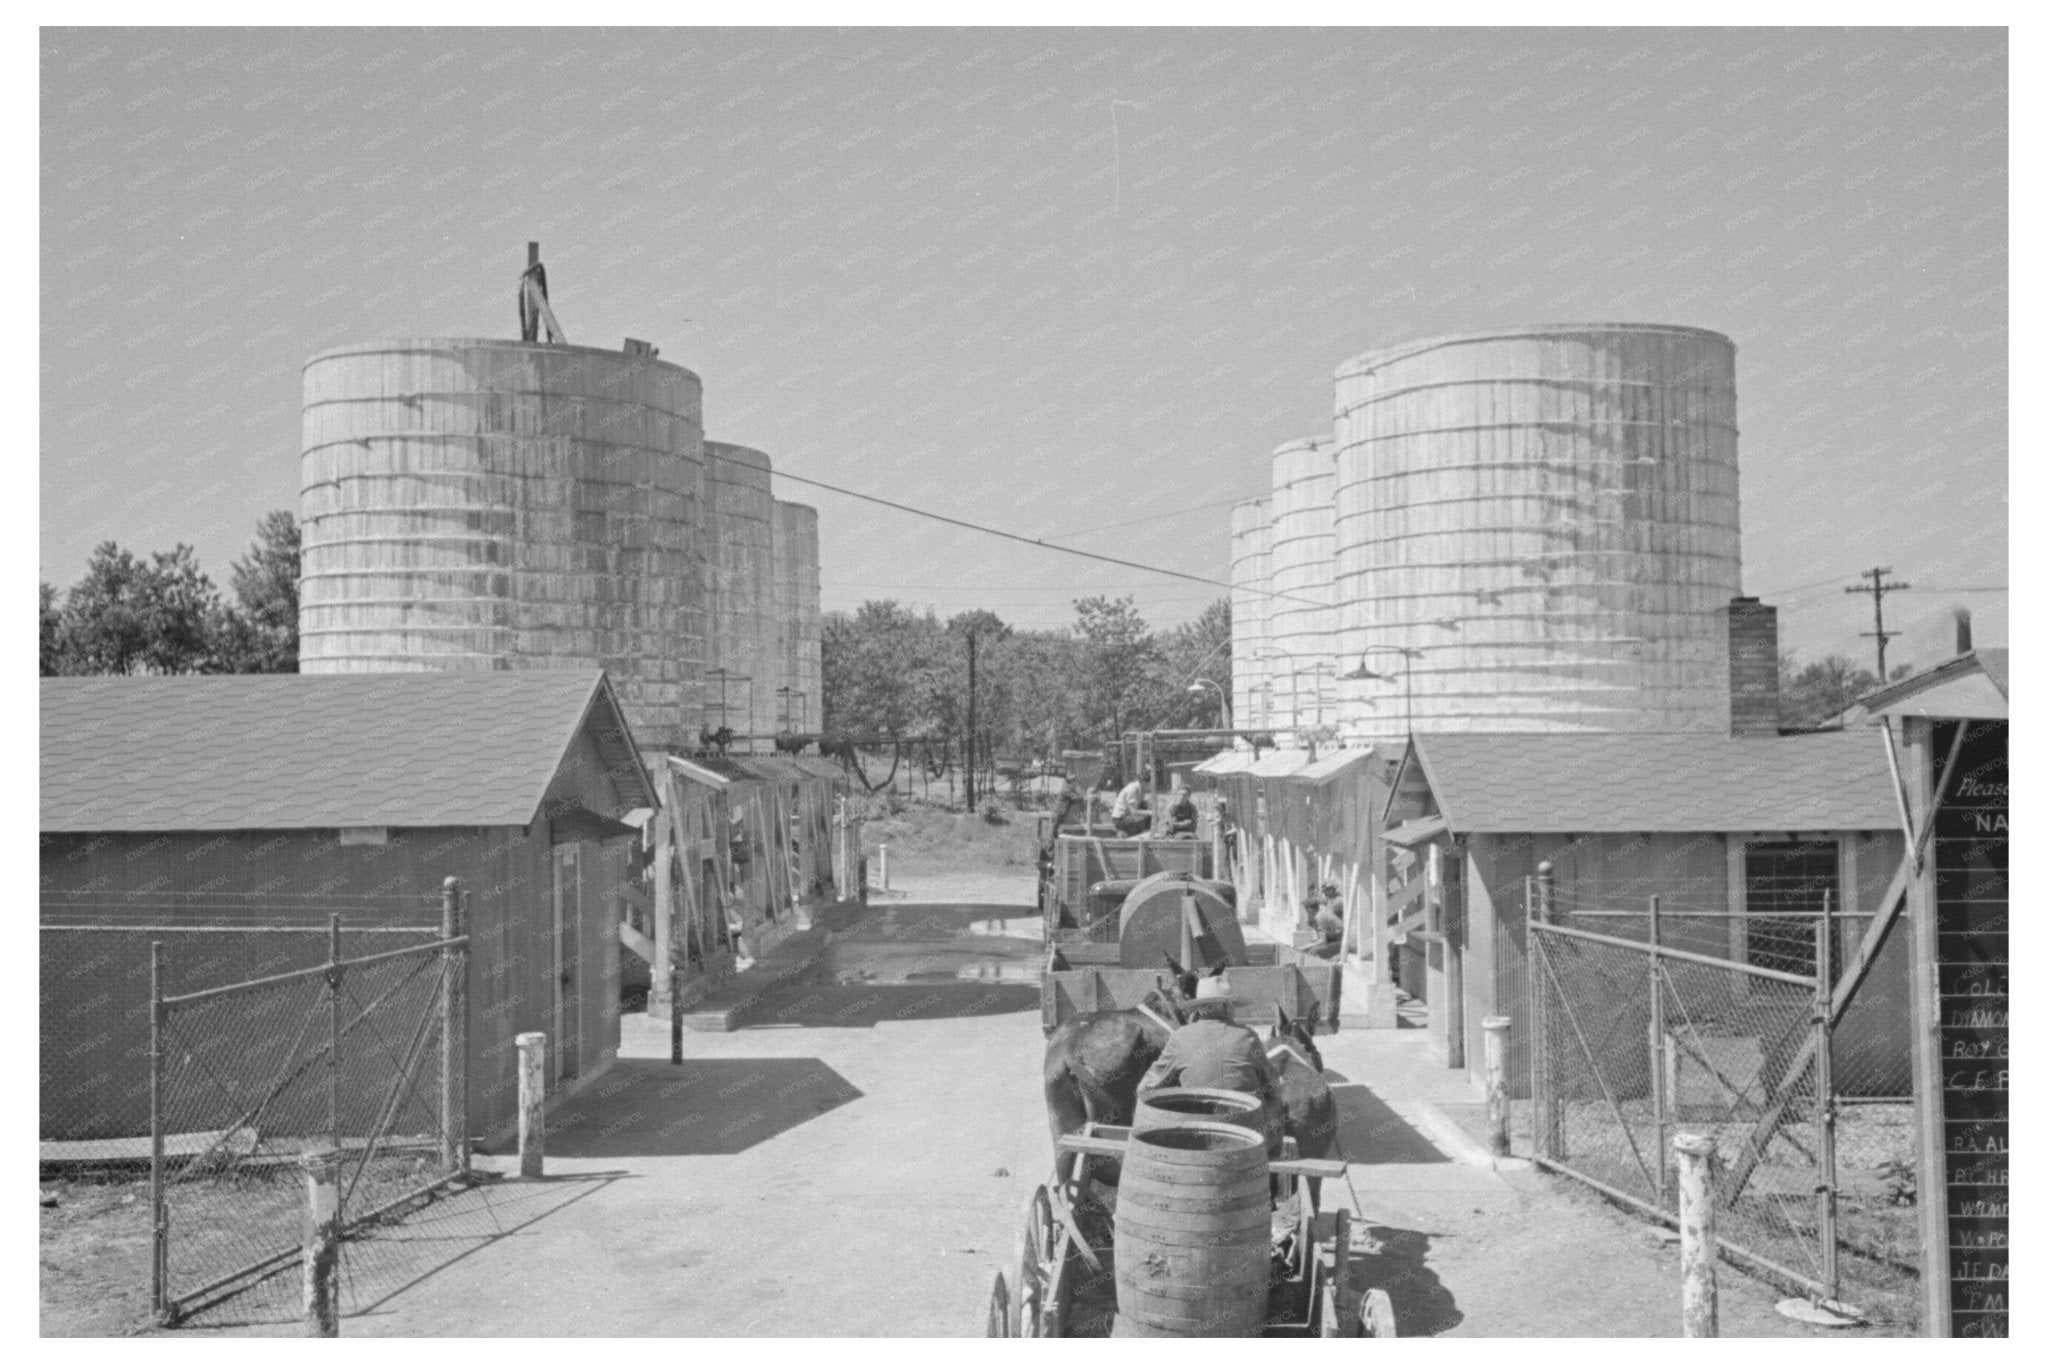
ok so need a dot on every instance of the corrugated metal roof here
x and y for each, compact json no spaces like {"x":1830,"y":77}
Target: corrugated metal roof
{"x":1972,"y":686}
{"x":289,"y":751}
{"x":1281,"y":762}
{"x":1331,"y":764}
{"x":1657,"y":783}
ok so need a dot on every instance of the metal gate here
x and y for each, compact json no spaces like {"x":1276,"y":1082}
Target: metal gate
{"x":1654,"y":1025}
{"x":361,"y":1055}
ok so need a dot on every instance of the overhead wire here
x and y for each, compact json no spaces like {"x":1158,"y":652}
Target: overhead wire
{"x":1046,"y":544}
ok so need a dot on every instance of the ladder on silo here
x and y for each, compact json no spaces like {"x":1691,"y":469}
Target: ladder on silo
{"x":533,"y":301}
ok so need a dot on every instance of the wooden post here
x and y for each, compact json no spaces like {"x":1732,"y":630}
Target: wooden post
{"x":1496,"y":1030}
{"x":533,"y":1094}
{"x":885,"y":867}
{"x":454,"y":1032}
{"x":159,"y":1215}
{"x":320,"y":1248}
{"x":675,"y":1013}
{"x":661,"y":989}
{"x":1547,"y":1112}
{"x":1697,"y":1244}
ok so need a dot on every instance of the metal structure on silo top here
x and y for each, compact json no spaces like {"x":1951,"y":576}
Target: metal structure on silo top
{"x":1303,"y":661}
{"x":797,"y":617}
{"x":484,"y":504}
{"x":1546,"y":517}
{"x":1251,"y":582}
{"x":740,"y":591}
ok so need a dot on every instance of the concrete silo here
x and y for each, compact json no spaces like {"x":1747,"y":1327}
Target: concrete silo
{"x":484,"y":504}
{"x":1546,"y":517}
{"x":739,"y":572}
{"x":797,"y":616}
{"x":1251,"y":579}
{"x":1302,"y":660}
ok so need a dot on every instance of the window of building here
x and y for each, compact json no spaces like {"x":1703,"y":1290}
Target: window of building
{"x":1785,"y":888}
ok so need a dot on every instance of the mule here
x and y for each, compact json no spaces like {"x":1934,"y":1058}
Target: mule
{"x":1309,"y":1109}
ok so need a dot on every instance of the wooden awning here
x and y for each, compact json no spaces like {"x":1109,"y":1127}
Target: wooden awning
{"x":575,"y":824}
{"x":1415,"y":831}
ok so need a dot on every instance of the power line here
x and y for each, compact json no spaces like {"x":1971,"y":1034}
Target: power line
{"x":1043,"y":544}
{"x":1139,"y":521}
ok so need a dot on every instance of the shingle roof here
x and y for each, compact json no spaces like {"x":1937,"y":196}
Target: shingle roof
{"x":290,"y":751}
{"x":1658,"y":783}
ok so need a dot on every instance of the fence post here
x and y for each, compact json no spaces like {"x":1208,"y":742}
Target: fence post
{"x":1547,"y":1116}
{"x":1824,"y":1086}
{"x":454,"y":1032}
{"x":885,"y":868}
{"x":1496,"y":1029}
{"x":159,"y":1215}
{"x":533,"y":1093}
{"x":1697,"y":1244}
{"x":320,"y":1252}
{"x":1660,"y":1115}
{"x":334,"y":1029}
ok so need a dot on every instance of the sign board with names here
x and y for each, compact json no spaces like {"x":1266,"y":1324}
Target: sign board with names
{"x":1971,"y":987}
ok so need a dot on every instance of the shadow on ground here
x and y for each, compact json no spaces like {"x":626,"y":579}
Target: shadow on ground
{"x":704,"y":1107}
{"x":1369,"y":1132}
{"x":863,"y":1006}
{"x":1397,"y":1260}
{"x":379,"y":1263}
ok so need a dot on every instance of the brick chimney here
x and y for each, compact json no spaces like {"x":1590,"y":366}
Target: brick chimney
{"x":1752,"y":668}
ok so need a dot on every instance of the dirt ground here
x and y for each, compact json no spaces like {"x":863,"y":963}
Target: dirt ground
{"x":856,"y":1162}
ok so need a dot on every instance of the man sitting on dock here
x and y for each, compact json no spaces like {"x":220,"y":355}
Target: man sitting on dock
{"x":1130,"y":814}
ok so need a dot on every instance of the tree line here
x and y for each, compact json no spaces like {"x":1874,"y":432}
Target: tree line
{"x":161,"y":613}
{"x":895,"y":678}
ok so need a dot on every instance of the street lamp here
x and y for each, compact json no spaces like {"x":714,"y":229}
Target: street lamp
{"x":1364,"y":674}
{"x":1222,"y":701}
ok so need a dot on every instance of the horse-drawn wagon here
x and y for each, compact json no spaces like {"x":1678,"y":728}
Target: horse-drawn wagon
{"x":1203,"y":1235}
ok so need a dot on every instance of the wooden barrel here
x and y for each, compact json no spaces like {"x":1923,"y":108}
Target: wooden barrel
{"x":1193,"y":1231}
{"x":1179,"y":1107}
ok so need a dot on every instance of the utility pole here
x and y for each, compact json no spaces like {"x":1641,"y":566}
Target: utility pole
{"x":1877,"y":588}
{"x":970,"y":722}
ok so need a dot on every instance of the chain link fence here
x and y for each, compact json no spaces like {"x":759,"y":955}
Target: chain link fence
{"x":1679,"y":1017}
{"x":211,"y":1044}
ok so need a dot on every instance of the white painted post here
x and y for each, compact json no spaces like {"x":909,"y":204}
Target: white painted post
{"x":1496,"y":1030}
{"x":1697,"y":1244}
{"x":320,"y":1245}
{"x":885,"y":866}
{"x":533,"y":1093}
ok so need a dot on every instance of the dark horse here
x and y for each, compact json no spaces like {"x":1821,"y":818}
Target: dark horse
{"x":1093,"y":1061}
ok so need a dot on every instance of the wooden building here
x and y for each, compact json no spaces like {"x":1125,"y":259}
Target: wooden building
{"x":266,"y":801}
{"x":1724,"y":830}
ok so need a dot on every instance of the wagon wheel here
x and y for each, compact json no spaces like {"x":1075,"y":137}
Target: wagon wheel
{"x":998,"y":1307}
{"x":1037,"y":1244}
{"x":1376,"y":1315}
{"x":1336,"y":1285}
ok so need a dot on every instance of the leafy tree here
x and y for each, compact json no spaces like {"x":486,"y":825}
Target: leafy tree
{"x":53,"y":655}
{"x":1119,"y":662}
{"x":1813,"y":694}
{"x":263,"y":635}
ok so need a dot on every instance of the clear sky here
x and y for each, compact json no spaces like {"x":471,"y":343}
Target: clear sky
{"x":1051,"y":280}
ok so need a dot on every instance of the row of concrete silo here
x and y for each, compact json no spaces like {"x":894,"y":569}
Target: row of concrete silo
{"x":1526,"y":529}
{"x":487,"y":504}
